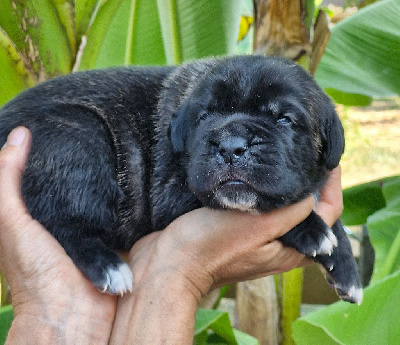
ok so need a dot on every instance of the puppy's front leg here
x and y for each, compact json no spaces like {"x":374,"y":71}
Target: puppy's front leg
{"x":311,"y":237}
{"x":331,"y":248}
{"x":341,"y":268}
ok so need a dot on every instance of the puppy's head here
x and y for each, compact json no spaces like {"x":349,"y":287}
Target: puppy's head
{"x":255,"y":134}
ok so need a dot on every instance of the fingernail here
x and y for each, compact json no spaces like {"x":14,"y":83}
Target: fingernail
{"x":16,"y":137}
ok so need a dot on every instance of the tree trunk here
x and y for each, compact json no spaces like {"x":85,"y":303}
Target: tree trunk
{"x":257,"y":310}
{"x":280,"y":28}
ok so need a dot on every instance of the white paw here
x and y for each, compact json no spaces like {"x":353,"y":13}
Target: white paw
{"x":118,"y":280}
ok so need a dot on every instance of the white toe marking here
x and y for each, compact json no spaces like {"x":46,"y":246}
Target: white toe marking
{"x":119,"y":280}
{"x":332,"y":238}
{"x":326,"y":246}
{"x":356,"y":294}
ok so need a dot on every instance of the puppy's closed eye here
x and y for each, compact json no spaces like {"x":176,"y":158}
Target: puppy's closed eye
{"x":285,"y":119}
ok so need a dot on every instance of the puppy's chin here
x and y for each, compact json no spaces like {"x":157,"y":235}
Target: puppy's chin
{"x":236,"y":195}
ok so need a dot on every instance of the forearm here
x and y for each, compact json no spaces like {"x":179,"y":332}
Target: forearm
{"x":159,"y":311}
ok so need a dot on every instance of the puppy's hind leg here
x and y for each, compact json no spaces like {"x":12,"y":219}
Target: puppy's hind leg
{"x":101,"y":265}
{"x":331,"y":248}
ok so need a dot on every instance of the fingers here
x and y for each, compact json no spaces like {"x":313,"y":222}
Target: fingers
{"x":330,"y":205}
{"x":282,"y":220}
{"x":13,"y":157}
{"x":213,"y":226}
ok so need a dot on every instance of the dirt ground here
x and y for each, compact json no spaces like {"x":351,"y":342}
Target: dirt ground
{"x":372,"y":141}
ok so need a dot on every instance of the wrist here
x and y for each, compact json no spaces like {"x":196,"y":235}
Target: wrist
{"x":160,"y":310}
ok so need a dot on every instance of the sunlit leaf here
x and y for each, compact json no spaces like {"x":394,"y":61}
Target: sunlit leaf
{"x":134,"y":36}
{"x":376,"y":321}
{"x":40,"y":34}
{"x":349,"y":99}
{"x":85,"y":14}
{"x":199,"y":28}
{"x":96,"y":32}
{"x":144,"y":32}
{"x":363,"y":53}
{"x":14,"y":76}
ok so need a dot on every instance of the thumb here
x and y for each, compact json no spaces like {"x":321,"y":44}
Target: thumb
{"x":13,"y":158}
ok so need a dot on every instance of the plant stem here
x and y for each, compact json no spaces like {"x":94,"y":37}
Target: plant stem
{"x":290,"y":292}
{"x":176,"y":41}
{"x":129,"y":38}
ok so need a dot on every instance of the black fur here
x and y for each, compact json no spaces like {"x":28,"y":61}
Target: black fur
{"x":120,"y":153}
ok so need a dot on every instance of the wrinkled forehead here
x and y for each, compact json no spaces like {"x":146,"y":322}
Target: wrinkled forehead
{"x":249,"y":90}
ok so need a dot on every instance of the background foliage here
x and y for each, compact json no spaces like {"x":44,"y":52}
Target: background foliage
{"x":361,"y":60}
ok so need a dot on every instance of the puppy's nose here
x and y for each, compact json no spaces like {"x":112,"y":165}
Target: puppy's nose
{"x":232,"y":149}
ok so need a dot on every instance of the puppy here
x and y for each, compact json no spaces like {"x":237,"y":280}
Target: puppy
{"x":119,"y":153}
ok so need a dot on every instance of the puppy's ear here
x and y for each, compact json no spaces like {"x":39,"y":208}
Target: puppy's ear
{"x":177,"y":131}
{"x":332,"y":135}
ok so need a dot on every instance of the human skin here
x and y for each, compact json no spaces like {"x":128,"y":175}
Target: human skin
{"x":172,"y":269}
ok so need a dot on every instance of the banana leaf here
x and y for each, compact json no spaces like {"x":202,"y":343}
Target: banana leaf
{"x":159,"y":32}
{"x":363,"y":55}
{"x":376,"y":321}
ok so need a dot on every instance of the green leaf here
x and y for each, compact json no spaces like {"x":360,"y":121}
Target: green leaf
{"x":183,"y":30}
{"x":384,"y":231}
{"x":216,"y":320}
{"x":244,"y":339}
{"x":102,"y":16}
{"x":6,"y":317}
{"x":376,"y":321}
{"x":349,"y":99}
{"x":194,"y":29}
{"x":85,"y":14}
{"x":222,"y":332}
{"x":134,"y":36}
{"x":14,"y":76}
{"x":361,"y":56}
{"x":41,"y":31}
{"x":361,"y":201}
{"x":377,"y":204}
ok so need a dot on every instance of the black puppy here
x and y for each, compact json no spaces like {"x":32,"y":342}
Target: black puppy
{"x":119,"y":153}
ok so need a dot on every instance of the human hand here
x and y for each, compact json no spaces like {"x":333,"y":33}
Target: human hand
{"x":172,"y":269}
{"x":202,"y":250}
{"x":53,"y":302}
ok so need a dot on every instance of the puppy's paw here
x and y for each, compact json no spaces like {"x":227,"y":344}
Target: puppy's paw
{"x":326,"y":243}
{"x":313,"y":243}
{"x":116,"y":280}
{"x":349,"y":293}
{"x":312,"y":237}
{"x":101,"y":265}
